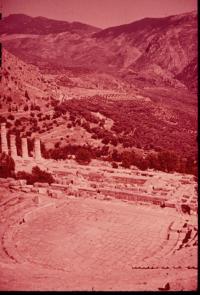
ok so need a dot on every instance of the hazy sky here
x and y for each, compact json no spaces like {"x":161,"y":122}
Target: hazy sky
{"x":100,"y":13}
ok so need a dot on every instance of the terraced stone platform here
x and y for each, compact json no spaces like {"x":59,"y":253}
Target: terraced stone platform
{"x":87,"y":244}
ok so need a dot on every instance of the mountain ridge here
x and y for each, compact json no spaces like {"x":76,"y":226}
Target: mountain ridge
{"x":151,"y":21}
{"x":163,"y":46}
{"x":40,"y":25}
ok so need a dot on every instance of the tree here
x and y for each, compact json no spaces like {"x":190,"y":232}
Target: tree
{"x":114,"y":165}
{"x":168,"y":161}
{"x":26,"y":108}
{"x":106,"y":140}
{"x":189,"y":165}
{"x":41,"y":175}
{"x":116,"y":156}
{"x":104,"y":150}
{"x":69,"y":125}
{"x":114,"y":141}
{"x":143,"y":164}
{"x":26,"y":95}
{"x":37,"y":175}
{"x":152,"y":161}
{"x":126,"y":159}
{"x":83,"y":156}
{"x":37,"y":108}
{"x":11,"y":117}
{"x":57,"y":144}
{"x":7,"y":166}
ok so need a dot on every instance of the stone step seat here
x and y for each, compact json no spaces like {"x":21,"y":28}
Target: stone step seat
{"x":8,"y":200}
{"x":177,"y":258}
{"x":8,"y":245}
{"x":173,"y":261}
{"x":181,"y":237}
{"x":151,"y":250}
{"x":177,"y":225}
{"x":171,"y":244}
{"x":13,"y":216}
{"x":184,"y":200}
{"x":11,"y":209}
{"x":5,"y":195}
{"x":10,"y":229}
{"x":193,"y":238}
{"x":156,"y":245}
{"x":3,"y":255}
{"x":193,"y":201}
{"x":164,"y":250}
{"x":32,"y":214}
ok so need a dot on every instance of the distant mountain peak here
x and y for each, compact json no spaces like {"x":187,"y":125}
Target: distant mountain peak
{"x":24,"y":24}
{"x":151,"y":50}
{"x":144,"y":23}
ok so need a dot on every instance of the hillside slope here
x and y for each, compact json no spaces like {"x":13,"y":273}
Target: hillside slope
{"x":146,"y":119}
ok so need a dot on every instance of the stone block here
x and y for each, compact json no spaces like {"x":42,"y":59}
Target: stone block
{"x":22,"y":181}
{"x":10,"y":179}
{"x":36,"y":200}
{"x":41,"y":184}
{"x":35,"y":190}
{"x":13,"y":183}
{"x":170,"y":205}
{"x":26,"y":189}
{"x":15,"y":186}
{"x":42,"y":190}
{"x":4,"y":182}
{"x":49,"y":192}
{"x":54,"y":195}
{"x":59,"y":186}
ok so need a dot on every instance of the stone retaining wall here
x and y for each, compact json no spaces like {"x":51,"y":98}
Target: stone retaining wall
{"x":56,"y":190}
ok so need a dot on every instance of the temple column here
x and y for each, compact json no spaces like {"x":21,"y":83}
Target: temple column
{"x":4,"y":142}
{"x":37,"y":149}
{"x":13,"y":148}
{"x":24,"y":148}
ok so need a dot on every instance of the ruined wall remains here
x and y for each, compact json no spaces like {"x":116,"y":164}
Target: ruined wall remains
{"x":74,"y":180}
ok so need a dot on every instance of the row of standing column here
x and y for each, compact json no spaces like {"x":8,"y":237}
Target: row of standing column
{"x":13,"y":148}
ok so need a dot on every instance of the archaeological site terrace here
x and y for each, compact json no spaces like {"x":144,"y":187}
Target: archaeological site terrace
{"x":95,"y":227}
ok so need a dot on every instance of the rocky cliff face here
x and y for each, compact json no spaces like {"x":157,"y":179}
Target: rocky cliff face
{"x":189,"y":74}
